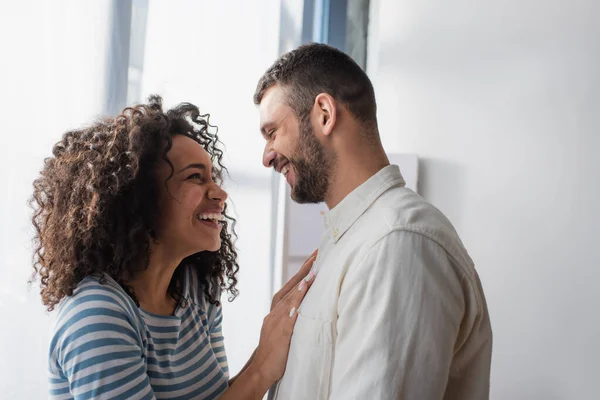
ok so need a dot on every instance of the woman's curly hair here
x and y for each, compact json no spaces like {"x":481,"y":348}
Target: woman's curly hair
{"x":96,"y":205}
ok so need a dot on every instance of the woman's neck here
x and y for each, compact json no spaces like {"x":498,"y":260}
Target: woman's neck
{"x":151,"y":286}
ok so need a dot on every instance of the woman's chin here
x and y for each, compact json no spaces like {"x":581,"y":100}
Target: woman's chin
{"x":210,"y":246}
{"x":203,"y":243}
{"x":215,"y":248}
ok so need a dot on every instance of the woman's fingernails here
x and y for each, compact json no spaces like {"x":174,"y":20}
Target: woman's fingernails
{"x":292,"y":312}
{"x":301,"y":285}
{"x":311,"y":276}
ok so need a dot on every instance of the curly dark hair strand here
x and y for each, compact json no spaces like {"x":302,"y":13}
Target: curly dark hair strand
{"x":95,"y":203}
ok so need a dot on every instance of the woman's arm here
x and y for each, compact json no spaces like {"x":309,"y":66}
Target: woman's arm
{"x":249,"y":384}
{"x":268,"y":361}
{"x":291,"y":284}
{"x":232,"y":380}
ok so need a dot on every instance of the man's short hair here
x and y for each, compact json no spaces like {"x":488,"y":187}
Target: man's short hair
{"x":316,"y":68}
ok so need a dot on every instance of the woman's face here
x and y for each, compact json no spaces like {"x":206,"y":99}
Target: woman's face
{"x":191,"y":203}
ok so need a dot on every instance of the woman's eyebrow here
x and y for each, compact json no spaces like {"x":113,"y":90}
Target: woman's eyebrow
{"x":194,"y":165}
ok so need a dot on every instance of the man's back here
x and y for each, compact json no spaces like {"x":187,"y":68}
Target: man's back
{"x":397,"y":309}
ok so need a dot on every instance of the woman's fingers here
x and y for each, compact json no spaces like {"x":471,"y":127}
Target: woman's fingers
{"x":276,"y":334}
{"x":302,"y":272}
{"x":295,"y":296}
{"x":304,"y":269}
{"x":295,"y":280}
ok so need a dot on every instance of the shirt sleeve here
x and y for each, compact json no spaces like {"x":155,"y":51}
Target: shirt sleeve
{"x":217,"y":340}
{"x":399,"y":314}
{"x":96,"y":347}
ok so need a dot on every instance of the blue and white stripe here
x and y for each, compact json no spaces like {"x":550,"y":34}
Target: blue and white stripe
{"x":103,"y":346}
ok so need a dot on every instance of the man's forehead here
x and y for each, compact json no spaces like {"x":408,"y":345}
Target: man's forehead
{"x":273,"y":101}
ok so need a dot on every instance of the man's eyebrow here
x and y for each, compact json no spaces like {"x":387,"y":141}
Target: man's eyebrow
{"x":194,"y":165}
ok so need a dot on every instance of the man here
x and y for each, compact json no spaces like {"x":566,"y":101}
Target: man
{"x":397,"y":310}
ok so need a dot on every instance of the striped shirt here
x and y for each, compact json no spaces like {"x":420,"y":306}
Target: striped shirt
{"x":103,"y":346}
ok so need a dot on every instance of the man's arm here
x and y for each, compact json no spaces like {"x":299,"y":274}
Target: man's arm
{"x":399,"y":312}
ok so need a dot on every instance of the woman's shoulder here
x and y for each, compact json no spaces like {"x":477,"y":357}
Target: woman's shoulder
{"x":98,"y":315}
{"x":96,"y":292}
{"x":97,"y":303}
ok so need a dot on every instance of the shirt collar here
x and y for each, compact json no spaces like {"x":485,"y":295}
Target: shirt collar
{"x":340,"y":218}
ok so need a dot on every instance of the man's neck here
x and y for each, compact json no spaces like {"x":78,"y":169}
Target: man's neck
{"x":352,"y":170}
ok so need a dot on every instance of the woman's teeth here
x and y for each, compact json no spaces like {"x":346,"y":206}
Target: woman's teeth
{"x":210,"y":217}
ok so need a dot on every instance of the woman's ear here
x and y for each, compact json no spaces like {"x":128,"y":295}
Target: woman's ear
{"x":326,"y":112}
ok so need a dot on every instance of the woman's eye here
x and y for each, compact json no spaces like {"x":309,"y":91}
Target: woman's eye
{"x":271,"y":133}
{"x":195,"y":176}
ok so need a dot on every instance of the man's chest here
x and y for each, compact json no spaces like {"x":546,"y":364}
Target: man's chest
{"x":333,"y":262}
{"x":312,"y":351}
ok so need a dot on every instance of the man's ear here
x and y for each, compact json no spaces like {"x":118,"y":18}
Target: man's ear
{"x":326,"y":113}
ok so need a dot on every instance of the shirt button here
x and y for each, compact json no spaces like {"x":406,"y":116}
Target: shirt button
{"x":336,"y":232}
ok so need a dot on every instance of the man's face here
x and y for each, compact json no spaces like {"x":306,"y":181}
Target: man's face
{"x":293,"y":149}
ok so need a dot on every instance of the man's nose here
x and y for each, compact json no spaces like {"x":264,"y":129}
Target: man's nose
{"x":269,"y":157}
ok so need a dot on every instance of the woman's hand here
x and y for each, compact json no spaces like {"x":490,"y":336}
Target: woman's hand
{"x":268,"y":361}
{"x":295,"y":280}
{"x":272,"y":352}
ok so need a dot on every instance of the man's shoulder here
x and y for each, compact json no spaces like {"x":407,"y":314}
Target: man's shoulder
{"x":401,"y":209}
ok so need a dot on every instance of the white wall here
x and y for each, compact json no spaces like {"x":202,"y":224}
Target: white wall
{"x":53,"y":78}
{"x":502,"y":101}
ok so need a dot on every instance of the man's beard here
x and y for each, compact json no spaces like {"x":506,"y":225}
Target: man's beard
{"x":313,"y":167}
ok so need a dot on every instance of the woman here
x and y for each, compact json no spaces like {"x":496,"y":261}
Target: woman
{"x":132,"y":245}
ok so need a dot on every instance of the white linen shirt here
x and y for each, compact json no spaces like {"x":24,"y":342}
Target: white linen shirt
{"x":396,"y":311}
